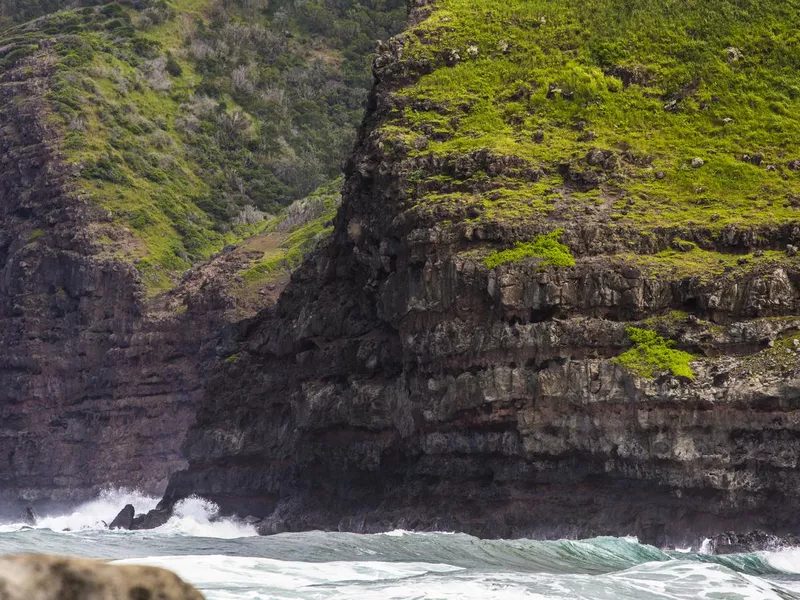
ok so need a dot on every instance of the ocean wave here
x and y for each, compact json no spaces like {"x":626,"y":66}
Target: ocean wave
{"x":226,"y":561}
{"x":784,"y":561}
{"x":249,"y":574}
{"x":247,"y":578}
{"x":401,"y":564}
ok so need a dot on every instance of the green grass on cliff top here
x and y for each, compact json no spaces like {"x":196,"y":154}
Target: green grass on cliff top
{"x":546,"y":248}
{"x":658,"y":82}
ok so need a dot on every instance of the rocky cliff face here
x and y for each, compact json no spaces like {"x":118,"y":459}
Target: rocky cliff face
{"x":409,"y":378}
{"x":98,"y":384}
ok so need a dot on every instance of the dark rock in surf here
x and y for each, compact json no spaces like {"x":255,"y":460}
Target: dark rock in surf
{"x":754,"y":541}
{"x":30,"y":516}
{"x":154,"y":518}
{"x":138,"y":521}
{"x":124,"y":520}
{"x":653,"y":534}
{"x":271,"y":526}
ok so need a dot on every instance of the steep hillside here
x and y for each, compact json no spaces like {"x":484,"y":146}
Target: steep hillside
{"x":562,"y":295}
{"x":133,"y":157}
{"x":189,"y":122}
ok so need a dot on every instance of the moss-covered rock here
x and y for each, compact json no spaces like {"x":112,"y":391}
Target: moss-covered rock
{"x":651,"y":355}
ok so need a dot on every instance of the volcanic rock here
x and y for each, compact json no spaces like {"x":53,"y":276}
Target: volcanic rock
{"x":124,"y":520}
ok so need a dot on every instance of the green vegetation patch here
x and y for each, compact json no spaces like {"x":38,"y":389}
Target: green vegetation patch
{"x":674,"y":112}
{"x":706,"y":265}
{"x":782,"y":356}
{"x":651,"y":354}
{"x":301,"y":237}
{"x":194,"y":122}
{"x":546,"y":247}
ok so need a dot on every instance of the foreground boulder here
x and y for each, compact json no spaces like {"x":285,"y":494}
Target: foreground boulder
{"x":43,"y":577}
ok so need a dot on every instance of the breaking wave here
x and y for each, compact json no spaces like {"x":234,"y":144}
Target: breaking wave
{"x":227,"y":561}
{"x":192,"y":517}
{"x":573,"y":576}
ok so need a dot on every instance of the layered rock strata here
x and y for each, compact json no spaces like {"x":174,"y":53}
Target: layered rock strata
{"x":98,"y":382}
{"x":400,"y":382}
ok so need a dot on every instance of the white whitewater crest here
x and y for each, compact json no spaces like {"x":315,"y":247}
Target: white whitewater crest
{"x":787,"y":561}
{"x":198,"y":517}
{"x":240,"y":578}
{"x":192,"y":517}
{"x":705,"y":547}
{"x":403,"y":565}
{"x":95,"y":514}
{"x":249,"y":578}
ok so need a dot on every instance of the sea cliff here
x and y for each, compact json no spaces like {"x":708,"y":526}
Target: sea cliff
{"x":561,"y":297}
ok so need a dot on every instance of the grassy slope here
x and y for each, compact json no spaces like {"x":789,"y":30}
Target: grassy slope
{"x":185,"y":157}
{"x":655,"y":83}
{"x":302,"y":226}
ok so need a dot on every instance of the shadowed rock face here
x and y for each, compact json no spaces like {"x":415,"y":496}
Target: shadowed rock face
{"x":58,"y":578}
{"x":98,"y":384}
{"x":399,"y":382}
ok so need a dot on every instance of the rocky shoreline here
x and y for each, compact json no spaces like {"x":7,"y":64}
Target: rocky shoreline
{"x":729,"y":542}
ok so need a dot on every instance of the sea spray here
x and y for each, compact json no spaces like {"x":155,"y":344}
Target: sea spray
{"x":199,"y":517}
{"x":193,"y":516}
{"x":96,"y":514}
{"x":227,"y":561}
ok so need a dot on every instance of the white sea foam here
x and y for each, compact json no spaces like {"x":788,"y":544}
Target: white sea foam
{"x":237,"y":578}
{"x":192,"y":517}
{"x":706,"y":547}
{"x":97,"y":513}
{"x":684,"y":579}
{"x":787,"y":560}
{"x":396,"y":533}
{"x":199,"y":517}
{"x":244,"y":578}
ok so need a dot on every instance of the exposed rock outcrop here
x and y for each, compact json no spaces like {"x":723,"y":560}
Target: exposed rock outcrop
{"x":124,"y":520}
{"x":400,"y":382}
{"x":128,"y":519}
{"x":59,"y":578}
{"x":754,"y":541}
